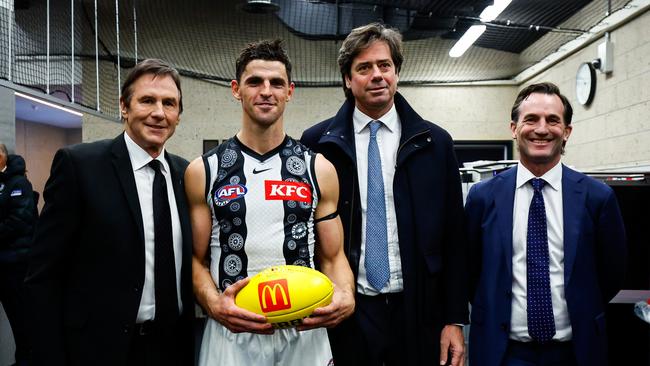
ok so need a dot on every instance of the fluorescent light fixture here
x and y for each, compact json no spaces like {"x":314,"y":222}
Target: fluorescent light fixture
{"x":466,"y":40}
{"x":487,"y":15}
{"x":48,"y":104}
{"x":492,"y":12}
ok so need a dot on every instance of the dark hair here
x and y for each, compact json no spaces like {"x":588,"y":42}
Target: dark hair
{"x":151,"y":66}
{"x":361,"y":38}
{"x":543,"y":88}
{"x":262,"y":50}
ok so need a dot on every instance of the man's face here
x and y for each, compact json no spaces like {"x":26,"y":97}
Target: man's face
{"x":373,"y":79}
{"x":540,"y":131}
{"x":153,"y":113}
{"x":264,"y":91}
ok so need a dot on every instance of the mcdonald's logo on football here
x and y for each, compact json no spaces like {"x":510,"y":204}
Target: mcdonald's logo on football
{"x":274,"y":295}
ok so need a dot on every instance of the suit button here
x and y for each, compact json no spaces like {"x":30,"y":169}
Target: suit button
{"x":508,"y":294}
{"x":126,"y":329}
{"x":136,"y":289}
{"x":504,"y":327}
{"x":346,"y":203}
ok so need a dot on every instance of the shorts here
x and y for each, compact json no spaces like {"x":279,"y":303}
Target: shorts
{"x":285,"y":347}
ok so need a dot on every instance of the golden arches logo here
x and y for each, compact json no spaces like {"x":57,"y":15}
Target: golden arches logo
{"x":274,"y":295}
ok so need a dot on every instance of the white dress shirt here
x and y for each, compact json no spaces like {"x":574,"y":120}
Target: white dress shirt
{"x":552,"y":193}
{"x":388,"y":137}
{"x":144,"y":176}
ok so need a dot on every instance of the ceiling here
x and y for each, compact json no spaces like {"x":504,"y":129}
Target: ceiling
{"x":31,"y":111}
{"x":202,"y":38}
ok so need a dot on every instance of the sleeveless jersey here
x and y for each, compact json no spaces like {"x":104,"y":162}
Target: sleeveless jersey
{"x":262,"y":208}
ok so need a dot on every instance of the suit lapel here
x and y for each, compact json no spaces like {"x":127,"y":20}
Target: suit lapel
{"x":123,"y":169}
{"x":179,"y":194}
{"x":340,"y":131}
{"x":504,"y":197}
{"x":177,"y":173}
{"x":573,"y":204}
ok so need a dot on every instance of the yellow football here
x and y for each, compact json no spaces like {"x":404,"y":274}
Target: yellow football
{"x":286,"y":294}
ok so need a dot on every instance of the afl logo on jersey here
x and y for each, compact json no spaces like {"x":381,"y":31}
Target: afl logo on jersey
{"x":287,"y":191}
{"x":229,"y":192}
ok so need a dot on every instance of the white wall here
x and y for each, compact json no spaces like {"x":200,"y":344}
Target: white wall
{"x":38,"y":143}
{"x":210,"y":112}
{"x":614,"y":131}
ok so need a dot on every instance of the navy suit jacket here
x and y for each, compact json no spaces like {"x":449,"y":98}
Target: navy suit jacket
{"x":594,"y":263}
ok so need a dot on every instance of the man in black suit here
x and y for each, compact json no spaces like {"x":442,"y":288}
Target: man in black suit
{"x":110,"y":269}
{"x":401,"y":208}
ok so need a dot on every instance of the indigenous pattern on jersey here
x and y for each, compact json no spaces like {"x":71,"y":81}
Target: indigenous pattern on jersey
{"x":262,"y":208}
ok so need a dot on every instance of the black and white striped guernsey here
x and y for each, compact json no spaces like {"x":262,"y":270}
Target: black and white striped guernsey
{"x":262,"y":208}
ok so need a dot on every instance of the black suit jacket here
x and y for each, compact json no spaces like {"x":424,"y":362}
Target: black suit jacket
{"x":88,"y":261}
{"x":429,"y":208}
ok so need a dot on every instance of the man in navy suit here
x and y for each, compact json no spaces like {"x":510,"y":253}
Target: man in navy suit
{"x":547,"y":248}
{"x":110,"y":273}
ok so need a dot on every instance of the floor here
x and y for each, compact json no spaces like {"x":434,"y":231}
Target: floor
{"x":7,"y":346}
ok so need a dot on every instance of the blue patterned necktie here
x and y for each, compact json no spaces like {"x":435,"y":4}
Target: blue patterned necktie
{"x":376,"y":261}
{"x":541,"y":324}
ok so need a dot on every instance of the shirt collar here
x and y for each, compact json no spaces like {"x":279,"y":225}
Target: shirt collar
{"x":360,"y":120}
{"x":140,"y":158}
{"x":552,"y":177}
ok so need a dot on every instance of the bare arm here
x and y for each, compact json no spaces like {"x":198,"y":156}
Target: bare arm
{"x":219,"y":306}
{"x":329,"y":249}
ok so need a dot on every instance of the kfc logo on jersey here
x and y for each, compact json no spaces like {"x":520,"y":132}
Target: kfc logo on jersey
{"x":228,"y":193}
{"x":287,"y":191}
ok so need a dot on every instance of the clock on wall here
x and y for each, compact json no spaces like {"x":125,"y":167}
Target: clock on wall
{"x":585,"y":83}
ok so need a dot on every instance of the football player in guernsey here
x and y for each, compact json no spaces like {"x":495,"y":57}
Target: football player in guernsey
{"x":257,"y":200}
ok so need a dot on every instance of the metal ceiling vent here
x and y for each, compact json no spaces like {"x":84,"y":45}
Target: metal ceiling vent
{"x":260,"y":6}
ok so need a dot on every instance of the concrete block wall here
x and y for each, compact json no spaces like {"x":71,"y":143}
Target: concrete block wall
{"x":466,"y":112}
{"x":8,"y":118}
{"x":614,"y":130}
{"x":211,"y":112}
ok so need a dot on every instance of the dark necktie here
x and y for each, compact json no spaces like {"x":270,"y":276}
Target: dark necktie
{"x":164,"y":263}
{"x":376,"y":260}
{"x":541,"y":324}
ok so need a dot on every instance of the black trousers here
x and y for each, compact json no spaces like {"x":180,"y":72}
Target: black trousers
{"x":153,"y":345}
{"x":373,"y":335}
{"x":13,"y":302}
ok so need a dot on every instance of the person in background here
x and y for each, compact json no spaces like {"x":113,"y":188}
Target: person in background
{"x":18,"y":217}
{"x":110,"y":270}
{"x":402,"y":212}
{"x":547,"y":248}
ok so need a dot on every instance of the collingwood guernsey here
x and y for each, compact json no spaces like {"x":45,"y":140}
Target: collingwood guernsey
{"x":262,"y":208}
